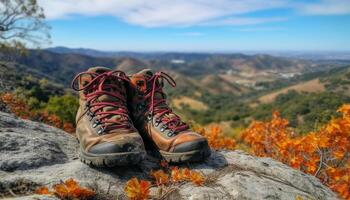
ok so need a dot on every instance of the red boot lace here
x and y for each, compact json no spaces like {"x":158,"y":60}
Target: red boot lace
{"x":100,"y":85}
{"x":160,"y":109}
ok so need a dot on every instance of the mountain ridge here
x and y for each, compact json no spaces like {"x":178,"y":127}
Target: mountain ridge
{"x":217,"y":73}
{"x":292,"y":54}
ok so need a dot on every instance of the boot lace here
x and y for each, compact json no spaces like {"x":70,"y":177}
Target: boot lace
{"x":101,"y":84}
{"x":160,"y":110}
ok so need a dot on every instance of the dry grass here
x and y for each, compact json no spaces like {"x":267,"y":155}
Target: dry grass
{"x":225,"y":126}
{"x":313,"y":85}
{"x":192,"y":103}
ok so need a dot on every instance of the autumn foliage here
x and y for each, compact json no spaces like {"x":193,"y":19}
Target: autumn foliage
{"x":164,"y":179}
{"x":18,"y":107}
{"x":69,"y":189}
{"x":323,"y":153}
{"x":137,"y":189}
{"x":216,"y":139}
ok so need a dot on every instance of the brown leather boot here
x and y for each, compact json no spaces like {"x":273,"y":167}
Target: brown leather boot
{"x":156,"y":122}
{"x":104,"y":129}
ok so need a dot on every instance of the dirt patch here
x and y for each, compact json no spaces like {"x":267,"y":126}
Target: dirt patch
{"x":309,"y":86}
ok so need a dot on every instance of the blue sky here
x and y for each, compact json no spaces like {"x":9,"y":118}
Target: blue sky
{"x":200,"y":25}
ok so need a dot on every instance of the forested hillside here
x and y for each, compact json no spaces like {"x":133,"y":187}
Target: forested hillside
{"x":232,"y":88}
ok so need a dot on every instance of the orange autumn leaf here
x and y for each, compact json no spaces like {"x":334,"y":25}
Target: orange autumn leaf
{"x":339,"y":153}
{"x":345,"y":109}
{"x":311,"y":166}
{"x":185,"y":174}
{"x":333,"y":127}
{"x":197,"y":178}
{"x":42,"y":191}
{"x":176,"y":175}
{"x":61,"y":191}
{"x":323,"y":142}
{"x":71,"y":189}
{"x":71,"y":183}
{"x":296,"y":162}
{"x":160,"y":176}
{"x":342,"y":189}
{"x":335,"y":173}
{"x":216,"y":139}
{"x":137,"y":190}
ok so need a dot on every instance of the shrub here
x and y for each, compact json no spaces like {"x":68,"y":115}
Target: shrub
{"x":64,"y":107}
{"x":323,"y":153}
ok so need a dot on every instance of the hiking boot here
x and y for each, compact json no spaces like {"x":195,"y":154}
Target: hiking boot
{"x":159,"y":126}
{"x":104,"y":130}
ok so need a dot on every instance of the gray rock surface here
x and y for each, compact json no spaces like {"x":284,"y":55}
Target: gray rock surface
{"x":33,"y":154}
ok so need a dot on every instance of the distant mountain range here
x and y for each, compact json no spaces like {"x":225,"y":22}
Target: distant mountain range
{"x":204,"y":68}
{"x":306,"y":55}
{"x":210,"y":87}
{"x":215,"y":73}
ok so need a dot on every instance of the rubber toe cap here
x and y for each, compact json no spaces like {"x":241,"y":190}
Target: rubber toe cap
{"x":198,"y":144}
{"x":110,"y":148}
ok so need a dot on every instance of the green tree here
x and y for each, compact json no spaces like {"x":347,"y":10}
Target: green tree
{"x":21,"y":22}
{"x":64,"y":107}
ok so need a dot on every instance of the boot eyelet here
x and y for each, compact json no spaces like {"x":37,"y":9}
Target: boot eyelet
{"x":149,"y":117}
{"x":100,"y":131}
{"x":156,"y":124}
{"x":95,"y":124}
{"x":170,"y":133}
{"x":162,"y":129}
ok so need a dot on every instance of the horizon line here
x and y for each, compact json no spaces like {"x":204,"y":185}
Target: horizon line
{"x":201,"y":51}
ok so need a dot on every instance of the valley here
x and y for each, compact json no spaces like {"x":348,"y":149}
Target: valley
{"x":211,"y":88}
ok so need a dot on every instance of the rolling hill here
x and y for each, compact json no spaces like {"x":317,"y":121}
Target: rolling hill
{"x":313,"y":85}
{"x":217,"y":73}
{"x":210,"y":87}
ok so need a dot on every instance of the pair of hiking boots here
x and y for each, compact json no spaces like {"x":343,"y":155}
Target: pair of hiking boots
{"x":119,"y":115}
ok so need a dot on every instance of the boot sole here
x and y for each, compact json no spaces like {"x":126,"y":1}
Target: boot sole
{"x":112,"y":160}
{"x":190,"y":156}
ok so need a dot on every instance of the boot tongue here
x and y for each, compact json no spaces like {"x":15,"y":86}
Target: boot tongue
{"x":106,"y":97}
{"x":147,"y":74}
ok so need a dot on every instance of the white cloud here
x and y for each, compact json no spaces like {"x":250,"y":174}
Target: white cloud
{"x":326,"y":7}
{"x":158,"y":13}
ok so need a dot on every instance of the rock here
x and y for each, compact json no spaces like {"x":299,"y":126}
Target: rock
{"x":33,"y":154}
{"x":3,"y":106}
